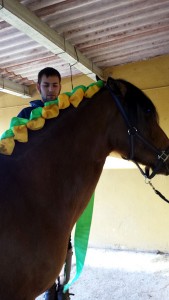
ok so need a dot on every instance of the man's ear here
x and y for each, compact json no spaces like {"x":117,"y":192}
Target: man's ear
{"x":38,"y":87}
{"x":60,"y":88}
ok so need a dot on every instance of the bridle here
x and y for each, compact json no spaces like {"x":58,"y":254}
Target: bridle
{"x":133,"y":133}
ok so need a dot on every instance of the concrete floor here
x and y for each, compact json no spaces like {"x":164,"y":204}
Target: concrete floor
{"x":120,"y":275}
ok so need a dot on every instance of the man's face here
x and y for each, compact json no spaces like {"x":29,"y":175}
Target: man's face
{"x":49,"y":88}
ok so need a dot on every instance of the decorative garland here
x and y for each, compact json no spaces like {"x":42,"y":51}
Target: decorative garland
{"x":19,"y":126}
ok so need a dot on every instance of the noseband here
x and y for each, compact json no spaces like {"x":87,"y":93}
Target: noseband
{"x":162,"y":156}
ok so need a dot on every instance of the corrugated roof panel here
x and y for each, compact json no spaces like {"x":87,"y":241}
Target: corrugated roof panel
{"x":108,"y":32}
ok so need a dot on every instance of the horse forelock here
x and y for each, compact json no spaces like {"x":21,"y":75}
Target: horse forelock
{"x":138,"y":105}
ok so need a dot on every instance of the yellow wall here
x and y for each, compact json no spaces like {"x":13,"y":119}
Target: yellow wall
{"x":9,"y":107}
{"x":127,"y":214}
{"x":148,"y":74}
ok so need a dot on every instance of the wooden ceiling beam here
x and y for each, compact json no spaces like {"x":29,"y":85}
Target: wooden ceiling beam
{"x":26,"y":21}
{"x":14,"y":88}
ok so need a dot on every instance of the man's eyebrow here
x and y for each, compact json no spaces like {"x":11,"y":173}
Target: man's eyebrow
{"x":45,"y":82}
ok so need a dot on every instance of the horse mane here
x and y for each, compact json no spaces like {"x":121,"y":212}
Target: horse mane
{"x":19,"y":127}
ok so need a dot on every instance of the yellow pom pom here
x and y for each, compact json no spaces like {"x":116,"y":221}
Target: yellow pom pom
{"x":50,"y":111}
{"x":20,"y":133}
{"x":91,"y":91}
{"x":36,"y":124}
{"x":76,"y":97}
{"x":63,"y":101}
{"x":7,"y":145}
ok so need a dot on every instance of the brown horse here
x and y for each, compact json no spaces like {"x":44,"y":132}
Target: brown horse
{"x":46,"y":183}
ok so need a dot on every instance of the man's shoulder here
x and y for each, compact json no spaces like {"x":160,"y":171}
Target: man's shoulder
{"x":25,"y":113}
{"x":36,"y":103}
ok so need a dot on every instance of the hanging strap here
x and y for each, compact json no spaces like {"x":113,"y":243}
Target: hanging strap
{"x":81,"y":239}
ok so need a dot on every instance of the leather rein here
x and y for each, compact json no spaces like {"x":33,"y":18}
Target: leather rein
{"x":162,"y":156}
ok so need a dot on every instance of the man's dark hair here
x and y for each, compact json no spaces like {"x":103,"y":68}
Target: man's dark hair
{"x":48,"y":72}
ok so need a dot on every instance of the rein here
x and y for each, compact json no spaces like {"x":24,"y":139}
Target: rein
{"x":162,"y":156}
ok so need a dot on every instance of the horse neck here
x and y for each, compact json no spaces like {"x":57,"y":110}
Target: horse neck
{"x":83,"y":133}
{"x":93,"y":127}
{"x":70,"y":156}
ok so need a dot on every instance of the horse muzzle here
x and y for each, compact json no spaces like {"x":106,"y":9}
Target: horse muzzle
{"x":161,"y":166}
{"x":164,"y":159}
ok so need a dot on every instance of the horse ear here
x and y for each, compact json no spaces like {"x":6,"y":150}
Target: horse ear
{"x":117,"y":86}
{"x":99,"y":78}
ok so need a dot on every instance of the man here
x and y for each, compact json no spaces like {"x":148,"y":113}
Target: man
{"x":49,"y":86}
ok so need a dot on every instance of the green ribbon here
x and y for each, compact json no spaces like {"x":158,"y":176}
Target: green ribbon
{"x":36,"y":113}
{"x":81,"y":239}
{"x":7,"y":134}
{"x":18,"y":121}
{"x":84,"y":88}
{"x":48,"y":103}
{"x":99,"y":83}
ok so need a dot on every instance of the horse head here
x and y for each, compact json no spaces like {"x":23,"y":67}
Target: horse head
{"x":147,"y":143}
